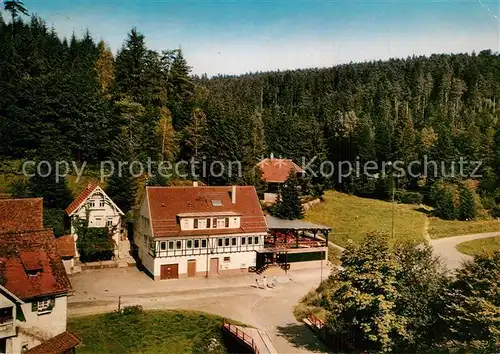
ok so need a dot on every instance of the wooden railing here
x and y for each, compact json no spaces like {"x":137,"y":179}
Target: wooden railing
{"x":315,"y":320}
{"x":241,"y":335}
{"x":330,"y":338}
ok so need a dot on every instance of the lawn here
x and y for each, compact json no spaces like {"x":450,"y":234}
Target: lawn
{"x":439,"y":228}
{"x":489,"y":245}
{"x":352,"y":217}
{"x":167,"y":331}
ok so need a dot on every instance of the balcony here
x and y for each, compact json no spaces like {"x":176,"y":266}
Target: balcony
{"x":7,"y":327}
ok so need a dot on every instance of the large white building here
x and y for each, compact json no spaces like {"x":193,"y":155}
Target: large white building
{"x":199,"y":231}
{"x":95,"y":205}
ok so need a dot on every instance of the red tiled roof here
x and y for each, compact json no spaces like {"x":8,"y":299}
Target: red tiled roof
{"x":32,"y":261}
{"x":277,"y":170}
{"x":59,"y":344}
{"x":66,"y":246}
{"x":166,"y":202}
{"x":28,"y":251}
{"x":21,"y":214}
{"x":83,"y":195}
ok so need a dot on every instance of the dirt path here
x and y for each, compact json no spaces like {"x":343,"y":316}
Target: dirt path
{"x":234,"y":297}
{"x":446,"y":248}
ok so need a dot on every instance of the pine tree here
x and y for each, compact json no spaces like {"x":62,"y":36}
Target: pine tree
{"x":259,"y":146}
{"x":181,"y":88}
{"x":468,"y":209}
{"x":122,"y":186}
{"x":288,"y":205}
{"x":445,"y":205}
{"x":45,"y":183}
{"x":130,"y":66}
{"x":15,"y":7}
{"x":194,"y":135}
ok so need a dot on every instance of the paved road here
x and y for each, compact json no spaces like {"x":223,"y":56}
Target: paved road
{"x":446,"y":248}
{"x":234,"y":297}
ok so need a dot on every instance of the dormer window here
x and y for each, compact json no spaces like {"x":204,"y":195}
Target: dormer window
{"x":32,"y":263}
{"x":217,"y":202}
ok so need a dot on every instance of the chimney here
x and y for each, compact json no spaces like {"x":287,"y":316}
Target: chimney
{"x":233,"y":194}
{"x":195,"y":183}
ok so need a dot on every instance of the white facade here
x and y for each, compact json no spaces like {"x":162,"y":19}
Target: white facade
{"x":31,"y":322}
{"x":102,"y":212}
{"x":207,"y":254}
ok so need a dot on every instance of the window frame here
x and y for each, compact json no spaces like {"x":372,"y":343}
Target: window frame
{"x":195,"y":223}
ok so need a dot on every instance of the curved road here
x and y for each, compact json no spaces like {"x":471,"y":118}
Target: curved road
{"x":234,"y":297}
{"x":446,"y":248}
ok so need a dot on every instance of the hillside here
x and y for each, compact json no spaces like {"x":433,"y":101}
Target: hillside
{"x":352,"y":217}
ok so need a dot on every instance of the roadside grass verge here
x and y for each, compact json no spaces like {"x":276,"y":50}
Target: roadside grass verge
{"x":352,"y":217}
{"x":166,"y":331}
{"x":439,"y":228}
{"x":483,"y":245}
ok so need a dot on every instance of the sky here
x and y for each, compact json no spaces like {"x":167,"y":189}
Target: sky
{"x":239,"y":36}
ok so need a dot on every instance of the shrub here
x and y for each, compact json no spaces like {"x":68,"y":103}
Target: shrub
{"x":443,"y":197}
{"x":495,"y":212}
{"x":445,"y":206}
{"x":407,"y":197}
{"x":468,"y":210}
{"x":132,"y":310}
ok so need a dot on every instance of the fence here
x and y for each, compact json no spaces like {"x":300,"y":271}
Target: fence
{"x":241,"y":335}
{"x":333,"y":340}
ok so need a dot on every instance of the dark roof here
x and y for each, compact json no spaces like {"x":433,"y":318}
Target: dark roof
{"x":30,"y":264}
{"x":275,"y":223}
{"x":277,"y":170}
{"x":165,"y":203}
{"x":59,"y":344}
{"x":21,"y":214}
{"x":66,"y":246}
{"x":83,"y":195}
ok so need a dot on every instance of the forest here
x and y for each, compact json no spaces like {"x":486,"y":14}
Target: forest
{"x":75,"y":99}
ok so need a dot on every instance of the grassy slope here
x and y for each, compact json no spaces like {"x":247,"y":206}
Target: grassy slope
{"x":352,"y":217}
{"x":489,"y":245}
{"x":149,"y":332}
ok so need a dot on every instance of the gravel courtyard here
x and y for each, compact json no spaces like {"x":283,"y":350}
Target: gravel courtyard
{"x":236,"y":297}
